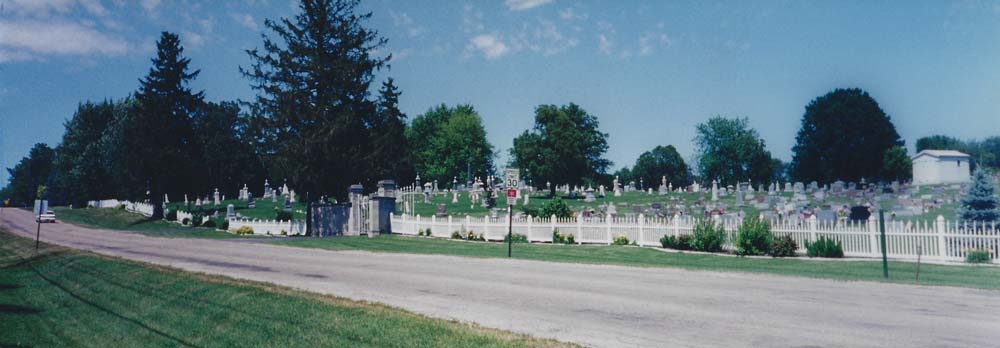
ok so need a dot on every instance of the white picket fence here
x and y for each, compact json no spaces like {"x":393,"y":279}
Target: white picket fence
{"x":940,"y":241}
{"x":270,"y":227}
{"x":104,"y":203}
{"x":145,"y":209}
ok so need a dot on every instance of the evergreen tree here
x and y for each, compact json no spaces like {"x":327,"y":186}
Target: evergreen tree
{"x":980,"y":203}
{"x":310,"y":116}
{"x":661,"y":161}
{"x":896,"y":164}
{"x":158,"y":138}
{"x":389,"y":154}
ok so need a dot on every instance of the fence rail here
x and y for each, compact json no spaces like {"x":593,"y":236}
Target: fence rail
{"x":270,"y":227}
{"x":940,"y":240}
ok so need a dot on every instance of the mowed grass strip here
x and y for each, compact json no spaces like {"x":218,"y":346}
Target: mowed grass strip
{"x":64,"y":298}
{"x":121,"y":220}
{"x":983,"y":277}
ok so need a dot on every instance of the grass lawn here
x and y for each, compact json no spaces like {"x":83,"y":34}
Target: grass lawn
{"x":117,"y":219}
{"x":985,"y":277}
{"x":64,"y":298}
{"x":264,"y":209}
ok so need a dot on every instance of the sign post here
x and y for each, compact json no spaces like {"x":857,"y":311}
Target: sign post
{"x":881,"y":228}
{"x":511,"y":198}
{"x":41,"y":206}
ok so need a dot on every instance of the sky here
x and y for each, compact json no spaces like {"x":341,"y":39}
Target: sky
{"x":650,"y":71}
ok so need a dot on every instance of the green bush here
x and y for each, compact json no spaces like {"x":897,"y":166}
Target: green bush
{"x":196,"y":220}
{"x":225,"y":225}
{"x":185,"y":221}
{"x":518,"y":238}
{"x":978,"y":255}
{"x":425,"y":233}
{"x":825,"y":247}
{"x":684,"y":242}
{"x":532,"y":211}
{"x":208,"y":223}
{"x":668,"y":242}
{"x":562,"y":238}
{"x":282,"y":215}
{"x":620,"y":239}
{"x":753,"y":237}
{"x":784,"y":246}
{"x":244,"y":230}
{"x":457,"y":235}
{"x":556,"y":207}
{"x":120,"y":207}
{"x":681,"y":242}
{"x":171,"y":215}
{"x":708,"y":236}
{"x":472,"y":236}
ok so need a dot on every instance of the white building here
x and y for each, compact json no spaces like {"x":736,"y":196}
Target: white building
{"x":932,"y":167}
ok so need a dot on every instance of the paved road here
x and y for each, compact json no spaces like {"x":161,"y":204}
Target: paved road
{"x":604,"y":306}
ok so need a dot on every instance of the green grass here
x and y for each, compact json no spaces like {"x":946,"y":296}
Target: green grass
{"x":263,"y":210}
{"x":63,"y":298}
{"x":121,"y":220}
{"x":985,"y":277}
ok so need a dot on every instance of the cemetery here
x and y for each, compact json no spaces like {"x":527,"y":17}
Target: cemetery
{"x":920,"y":219}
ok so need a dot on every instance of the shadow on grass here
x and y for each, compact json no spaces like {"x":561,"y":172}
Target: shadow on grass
{"x":9,"y":286}
{"x":16,"y":309}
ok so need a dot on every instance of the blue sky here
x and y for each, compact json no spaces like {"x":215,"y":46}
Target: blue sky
{"x":649,"y":71}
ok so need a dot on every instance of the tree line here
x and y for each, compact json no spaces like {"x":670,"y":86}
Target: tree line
{"x":320,"y":121}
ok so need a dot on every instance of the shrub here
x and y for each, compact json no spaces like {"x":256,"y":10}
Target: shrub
{"x":825,"y":247}
{"x":562,"y":238}
{"x":708,"y":236}
{"x":208,"y":223}
{"x":556,"y":207}
{"x":669,"y":242}
{"x":531,"y":211}
{"x":684,"y":242}
{"x":171,"y":215}
{"x":620,"y":239}
{"x":225,"y":225}
{"x":753,"y":237}
{"x":472,"y":236}
{"x":196,"y":220}
{"x":282,"y":215}
{"x":456,"y":235}
{"x":185,"y":221}
{"x":978,"y":255}
{"x":424,"y":233}
{"x":244,"y":230}
{"x":120,"y":207}
{"x":518,"y":238}
{"x":783,"y":246}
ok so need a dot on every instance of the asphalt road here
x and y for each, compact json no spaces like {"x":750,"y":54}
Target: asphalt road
{"x":604,"y":306}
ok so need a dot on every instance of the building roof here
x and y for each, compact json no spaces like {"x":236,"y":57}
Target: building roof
{"x":941,"y":153}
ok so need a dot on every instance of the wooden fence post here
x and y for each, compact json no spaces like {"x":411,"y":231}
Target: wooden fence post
{"x":873,"y":236}
{"x":608,"y":228}
{"x":642,"y":223}
{"x":677,"y":225}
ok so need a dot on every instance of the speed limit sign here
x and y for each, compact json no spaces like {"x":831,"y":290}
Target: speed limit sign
{"x":511,"y":177}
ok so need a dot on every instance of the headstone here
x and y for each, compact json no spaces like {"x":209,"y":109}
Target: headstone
{"x":454,"y":196}
{"x":216,"y":197}
{"x":837,"y":187}
{"x":798,"y":187}
{"x":617,"y":187}
{"x":288,"y":203}
{"x":252,"y":204}
{"x":589,"y":195}
{"x":602,"y":190}
{"x":788,"y":187}
{"x":441,"y":210}
{"x":292,"y":196}
{"x":526,"y":195}
{"x":197,"y":202}
{"x":715,"y":190}
{"x":230,"y":211}
{"x":267,"y":189}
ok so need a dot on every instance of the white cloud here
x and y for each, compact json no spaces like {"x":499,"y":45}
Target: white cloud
{"x":192,"y":39}
{"x":490,"y":45}
{"x":404,"y":21}
{"x":604,"y":44}
{"x":245,"y":19}
{"x":150,"y":5}
{"x":29,"y":39}
{"x":472,"y":20}
{"x":518,"y":5}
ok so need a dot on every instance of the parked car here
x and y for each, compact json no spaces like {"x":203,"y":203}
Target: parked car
{"x":49,"y":216}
